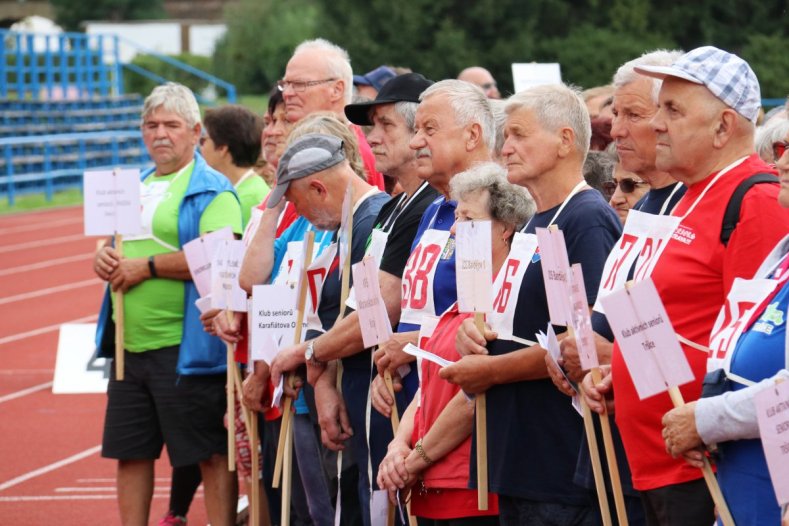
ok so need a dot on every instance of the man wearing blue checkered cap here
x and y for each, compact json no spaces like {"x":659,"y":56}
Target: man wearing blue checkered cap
{"x":708,"y":103}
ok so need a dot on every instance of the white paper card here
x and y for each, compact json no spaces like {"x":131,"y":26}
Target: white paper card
{"x":379,"y":507}
{"x":272,"y":320}
{"x":772,"y":410}
{"x":556,"y":274}
{"x":473,"y":266}
{"x":199,"y":252}
{"x":648,"y":342}
{"x":276,"y":397}
{"x":112,"y":202}
{"x":225,"y":266}
{"x":373,"y":318}
{"x":582,"y":322}
{"x":203,"y":304}
{"x":413,"y":350}
{"x":551,"y":345}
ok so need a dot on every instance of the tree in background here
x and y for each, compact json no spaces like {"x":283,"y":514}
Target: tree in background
{"x":260,"y":38}
{"x":589,"y":38}
{"x":71,"y":13}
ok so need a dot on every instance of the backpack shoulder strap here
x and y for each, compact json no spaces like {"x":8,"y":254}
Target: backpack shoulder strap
{"x":732,"y":215}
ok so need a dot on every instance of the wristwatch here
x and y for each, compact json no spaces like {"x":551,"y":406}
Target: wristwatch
{"x":309,"y":355}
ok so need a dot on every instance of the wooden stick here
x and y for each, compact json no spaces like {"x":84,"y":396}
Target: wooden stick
{"x":251,"y":422}
{"x":119,"y":344}
{"x":287,"y":472}
{"x":482,"y":434}
{"x":597,"y":466}
{"x":231,"y":402}
{"x":594,"y":454}
{"x":610,"y":456}
{"x":390,"y":387}
{"x":286,"y":405}
{"x":709,"y":476}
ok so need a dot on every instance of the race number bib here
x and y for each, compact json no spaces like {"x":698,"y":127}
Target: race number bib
{"x":419,"y":275}
{"x":745,"y":297}
{"x":316,"y":277}
{"x":375,"y":249}
{"x":643,"y":240}
{"x":508,"y":284}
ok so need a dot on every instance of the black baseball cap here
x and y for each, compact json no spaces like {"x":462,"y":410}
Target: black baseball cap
{"x":403,"y":88}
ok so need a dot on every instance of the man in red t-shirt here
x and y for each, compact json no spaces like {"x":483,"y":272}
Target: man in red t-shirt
{"x":708,"y":102}
{"x":319,"y":77}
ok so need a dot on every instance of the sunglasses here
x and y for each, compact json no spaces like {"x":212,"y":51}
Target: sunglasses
{"x":627,"y":185}
{"x":779,"y":149}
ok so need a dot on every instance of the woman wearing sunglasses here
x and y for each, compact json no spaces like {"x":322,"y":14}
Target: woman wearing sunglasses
{"x":625,"y":189}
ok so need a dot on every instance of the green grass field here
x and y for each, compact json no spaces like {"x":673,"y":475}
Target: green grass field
{"x":38,"y":200}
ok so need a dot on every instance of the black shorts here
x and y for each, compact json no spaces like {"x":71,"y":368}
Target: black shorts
{"x":153,"y":406}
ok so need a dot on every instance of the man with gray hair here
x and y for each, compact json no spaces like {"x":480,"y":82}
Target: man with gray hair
{"x":174,"y":387}
{"x":391,"y":115}
{"x":533,"y":432}
{"x":318,"y":77}
{"x":708,"y":103}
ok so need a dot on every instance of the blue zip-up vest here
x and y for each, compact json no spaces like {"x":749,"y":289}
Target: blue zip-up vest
{"x":199,"y":353}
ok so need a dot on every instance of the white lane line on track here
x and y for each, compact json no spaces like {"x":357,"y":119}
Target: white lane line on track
{"x":101,"y":489}
{"x":45,"y":264}
{"x":40,"y":226}
{"x":44,"y":330}
{"x":41,"y":243}
{"x":51,"y":467}
{"x":25,"y":392}
{"x":50,"y":290}
{"x":45,"y":498}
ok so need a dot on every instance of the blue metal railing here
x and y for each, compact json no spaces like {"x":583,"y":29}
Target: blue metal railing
{"x":78,"y":65}
{"x":59,"y":160}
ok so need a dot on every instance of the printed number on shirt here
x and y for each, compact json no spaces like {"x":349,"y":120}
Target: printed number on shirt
{"x":416,"y":276}
{"x":732,"y":325}
{"x":627,"y":244}
{"x":503,"y":296}
{"x":646,"y":259}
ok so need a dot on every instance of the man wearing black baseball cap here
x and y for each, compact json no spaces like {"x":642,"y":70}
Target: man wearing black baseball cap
{"x":391,"y":116}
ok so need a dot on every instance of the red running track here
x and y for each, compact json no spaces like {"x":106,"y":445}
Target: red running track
{"x":51,"y":470}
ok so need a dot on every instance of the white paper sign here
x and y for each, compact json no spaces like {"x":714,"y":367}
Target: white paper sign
{"x":379,"y":507}
{"x":203,"y":303}
{"x":78,"y":369}
{"x":373,"y":318}
{"x":225,"y":266}
{"x":551,"y":345}
{"x":413,"y":350}
{"x":772,"y":411}
{"x":534,"y":74}
{"x":647,"y":339}
{"x":112,"y":202}
{"x":272,"y":320}
{"x":473,"y":266}
{"x":556,"y":274}
{"x":582,"y":322}
{"x":199,"y":252}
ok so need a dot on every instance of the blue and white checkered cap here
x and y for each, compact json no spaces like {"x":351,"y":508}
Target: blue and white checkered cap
{"x":726,"y":75}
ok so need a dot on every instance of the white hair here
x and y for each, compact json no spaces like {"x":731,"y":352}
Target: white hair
{"x":176,"y":98}
{"x":337,"y":60}
{"x":407,"y":110}
{"x":508,"y":203}
{"x":775,"y":130}
{"x":469,"y":104}
{"x":500,"y":119}
{"x":626,"y":74}
{"x":556,"y":106}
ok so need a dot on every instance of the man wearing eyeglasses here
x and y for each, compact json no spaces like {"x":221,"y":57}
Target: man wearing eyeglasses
{"x":482,"y":78}
{"x":319,"y":77}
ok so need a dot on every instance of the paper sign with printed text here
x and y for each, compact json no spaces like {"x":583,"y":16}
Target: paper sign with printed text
{"x":112,"y":202}
{"x":225,"y":267}
{"x":473,"y":266}
{"x":199,"y":252}
{"x":772,"y":411}
{"x":647,"y":339}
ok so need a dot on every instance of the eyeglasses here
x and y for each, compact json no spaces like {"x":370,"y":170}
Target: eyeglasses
{"x":627,"y":185}
{"x":300,"y":85}
{"x":779,"y":149}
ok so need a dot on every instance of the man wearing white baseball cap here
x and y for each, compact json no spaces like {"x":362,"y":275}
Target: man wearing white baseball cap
{"x":708,"y":104}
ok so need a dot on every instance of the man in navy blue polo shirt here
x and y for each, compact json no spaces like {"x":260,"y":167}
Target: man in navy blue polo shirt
{"x":534,"y":431}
